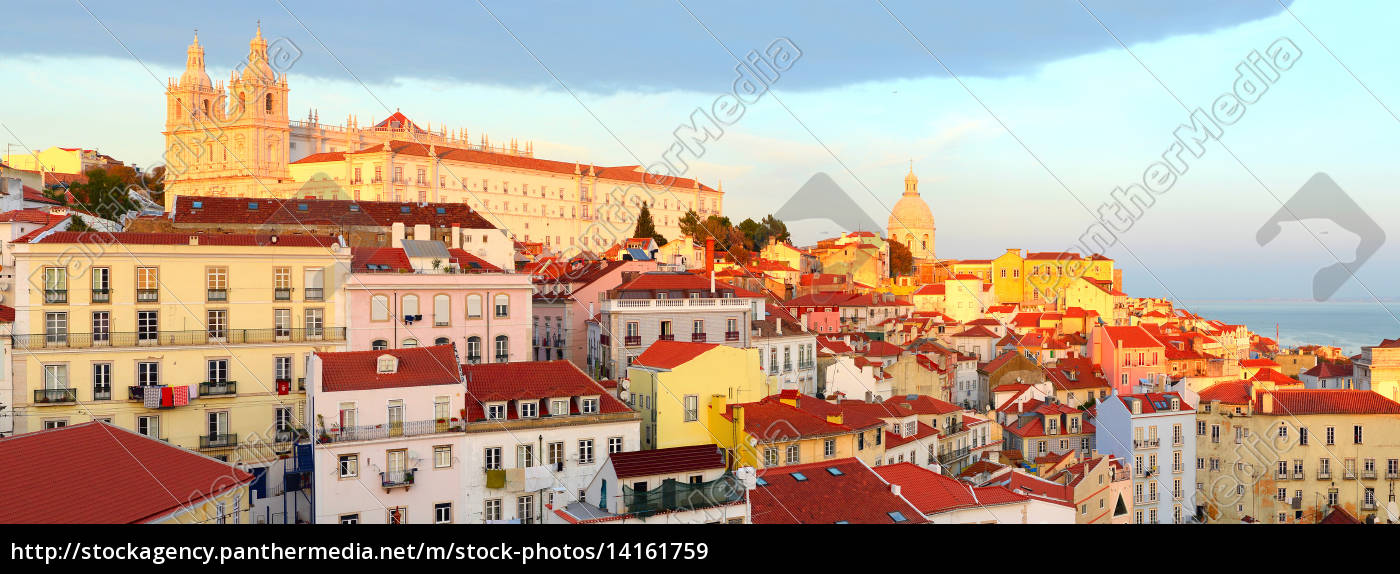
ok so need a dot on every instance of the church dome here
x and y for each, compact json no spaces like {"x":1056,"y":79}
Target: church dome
{"x":258,"y":71}
{"x":911,"y":220}
{"x":911,"y":212}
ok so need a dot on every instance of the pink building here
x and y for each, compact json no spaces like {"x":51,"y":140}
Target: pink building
{"x":566,"y":297}
{"x":424,"y":294}
{"x":818,"y":312}
{"x":1128,"y":356}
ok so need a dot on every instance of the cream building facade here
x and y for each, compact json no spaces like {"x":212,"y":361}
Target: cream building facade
{"x":911,"y":220}
{"x":236,"y":139}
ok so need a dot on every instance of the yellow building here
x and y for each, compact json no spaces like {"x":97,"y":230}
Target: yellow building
{"x":672,"y":384}
{"x":197,"y":340}
{"x":1091,"y":295}
{"x":57,"y":160}
{"x":792,"y":428}
{"x":1291,"y":456}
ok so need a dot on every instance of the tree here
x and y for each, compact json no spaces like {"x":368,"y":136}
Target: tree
{"x":901,"y":259}
{"x":755,"y":234}
{"x":646,"y":227}
{"x":105,"y":192}
{"x":776,"y":229}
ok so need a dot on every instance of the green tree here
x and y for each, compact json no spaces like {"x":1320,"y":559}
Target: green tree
{"x":901,"y":259}
{"x":105,"y":192}
{"x":646,"y":227}
{"x":755,"y":234}
{"x":776,"y":228}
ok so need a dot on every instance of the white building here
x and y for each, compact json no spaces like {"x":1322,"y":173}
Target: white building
{"x":678,"y":485}
{"x":1155,"y":433}
{"x":787,"y":352}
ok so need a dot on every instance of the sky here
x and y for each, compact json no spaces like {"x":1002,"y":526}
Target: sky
{"x":1020,"y":118}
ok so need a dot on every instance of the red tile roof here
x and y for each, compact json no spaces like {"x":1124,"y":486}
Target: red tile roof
{"x":977,"y":331}
{"x":1134,"y":337}
{"x":1329,"y":401}
{"x":857,"y":496}
{"x":667,"y":460}
{"x":1329,"y":370}
{"x":531,"y":381}
{"x":923,"y":404}
{"x":341,"y":212}
{"x":417,"y":367}
{"x":771,"y":420}
{"x":48,"y":473}
{"x":220,"y":240}
{"x":934,"y":493}
{"x":7,"y":314}
{"x":391,"y":258}
{"x":1275,"y":377}
{"x":671,"y":354}
{"x":1228,"y":392}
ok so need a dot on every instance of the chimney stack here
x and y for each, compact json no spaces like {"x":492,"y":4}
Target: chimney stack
{"x":710,"y":255}
{"x":396,"y":235}
{"x":456,"y":236}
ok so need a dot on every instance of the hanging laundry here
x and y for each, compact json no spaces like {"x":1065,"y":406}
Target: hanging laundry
{"x":194,"y":392}
{"x":182,"y":396}
{"x":152,"y":397}
{"x":167,"y":397}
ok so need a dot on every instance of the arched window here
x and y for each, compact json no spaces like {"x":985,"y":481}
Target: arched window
{"x":473,"y":306}
{"x":410,"y":305}
{"x":473,"y":350}
{"x":502,"y":305}
{"x":502,"y":349}
{"x":441,"y":341}
{"x":379,"y":345}
{"x":206,"y":107}
{"x":442,"y":310}
{"x":409,"y":343}
{"x":267,"y":104}
{"x":925,"y":241}
{"x":379,"y":308}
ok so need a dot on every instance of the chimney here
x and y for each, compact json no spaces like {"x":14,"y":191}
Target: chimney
{"x":396,"y":235}
{"x":194,"y":240}
{"x":1266,"y":402}
{"x":422,"y":232}
{"x":710,"y":256}
{"x":456,"y":236}
{"x":779,"y":322}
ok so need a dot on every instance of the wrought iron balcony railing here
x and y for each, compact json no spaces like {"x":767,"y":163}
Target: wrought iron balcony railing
{"x":175,"y":338}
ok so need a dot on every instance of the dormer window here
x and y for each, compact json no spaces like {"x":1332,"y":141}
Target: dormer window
{"x":589,"y":405}
{"x":388,"y":364}
{"x":496,"y":411}
{"x":559,"y":407}
{"x":1176,"y":404}
{"x":529,"y":409}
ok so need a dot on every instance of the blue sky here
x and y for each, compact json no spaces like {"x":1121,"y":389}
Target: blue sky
{"x":864,"y":99}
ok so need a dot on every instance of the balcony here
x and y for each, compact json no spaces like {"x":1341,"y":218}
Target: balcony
{"x":216,"y":295}
{"x":666,"y":337}
{"x":147,"y":295}
{"x":175,"y":338}
{"x":1368,"y":505}
{"x":1368,"y":474}
{"x":218,"y":388}
{"x":55,"y":396}
{"x":397,"y":478}
{"x":604,"y":340}
{"x":100,"y":394}
{"x":55,"y":295}
{"x":697,"y":337}
{"x":101,"y":295}
{"x":282,"y":294}
{"x":673,"y":495}
{"x":1324,"y":474}
{"x":696,"y":304}
{"x":1298,"y":475}
{"x":388,"y":430}
{"x":315,"y":294}
{"x":632,"y":340}
{"x":731,"y":336}
{"x":284,"y":436}
{"x":1147,"y":443}
{"x":218,"y":440}
{"x":502,"y":358}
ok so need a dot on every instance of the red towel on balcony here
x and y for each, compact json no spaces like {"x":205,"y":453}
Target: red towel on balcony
{"x":182,"y":396}
{"x":167,"y":397}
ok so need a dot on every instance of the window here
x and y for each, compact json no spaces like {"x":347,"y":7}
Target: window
{"x":101,"y":327}
{"x":615,"y":445}
{"x":794,"y":455}
{"x":585,"y":451}
{"x":314,"y":281}
{"x":525,"y":455}
{"x":1331,"y":435}
{"x":147,"y":326}
{"x":442,"y":513}
{"x":493,"y":458}
{"x":315,"y":322}
{"x":502,"y":306}
{"x":1303,"y":435}
{"x":770,"y":456}
{"x":492,"y":510}
{"x":588,"y":406}
{"x":282,"y":323}
{"x":692,"y":408}
{"x":349,"y":465}
{"x":378,"y":345}
{"x":502,"y":349}
{"x":216,"y":283}
{"x":409,"y":306}
{"x":829,"y":448}
{"x":496,"y":412}
{"x":282,"y":283}
{"x":147,"y":284}
{"x":147,"y":374}
{"x":473,"y":306}
{"x":101,"y":381}
{"x":1356,"y":434}
{"x":218,"y":370}
{"x":442,"y":456}
{"x":529,"y":409}
{"x":56,"y":328}
{"x":442,"y":310}
{"x":217,"y":325}
{"x":55,"y":285}
{"x":396,"y":515}
{"x":473,"y":350}
{"x":554,"y":453}
{"x":525,"y":508}
{"x":379,"y":308}
{"x":101,"y":284}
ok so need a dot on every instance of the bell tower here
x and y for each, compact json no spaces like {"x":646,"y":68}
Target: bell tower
{"x":259,"y":129}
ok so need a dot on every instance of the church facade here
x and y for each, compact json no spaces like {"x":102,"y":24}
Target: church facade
{"x":236,"y":139}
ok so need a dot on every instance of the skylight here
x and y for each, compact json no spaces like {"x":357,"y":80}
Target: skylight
{"x":835,"y":471}
{"x":199,"y":205}
{"x":897,"y":516}
{"x":303,"y":207}
{"x":799,"y":477}
{"x":252,"y":205}
{"x":761,"y":482}
{"x":354,"y":207}
{"x":404,"y":209}
{"x":842,"y":522}
{"x":441,"y":210}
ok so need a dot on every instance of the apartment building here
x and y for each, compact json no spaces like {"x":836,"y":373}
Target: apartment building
{"x":1152,"y":431}
{"x":198,"y":340}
